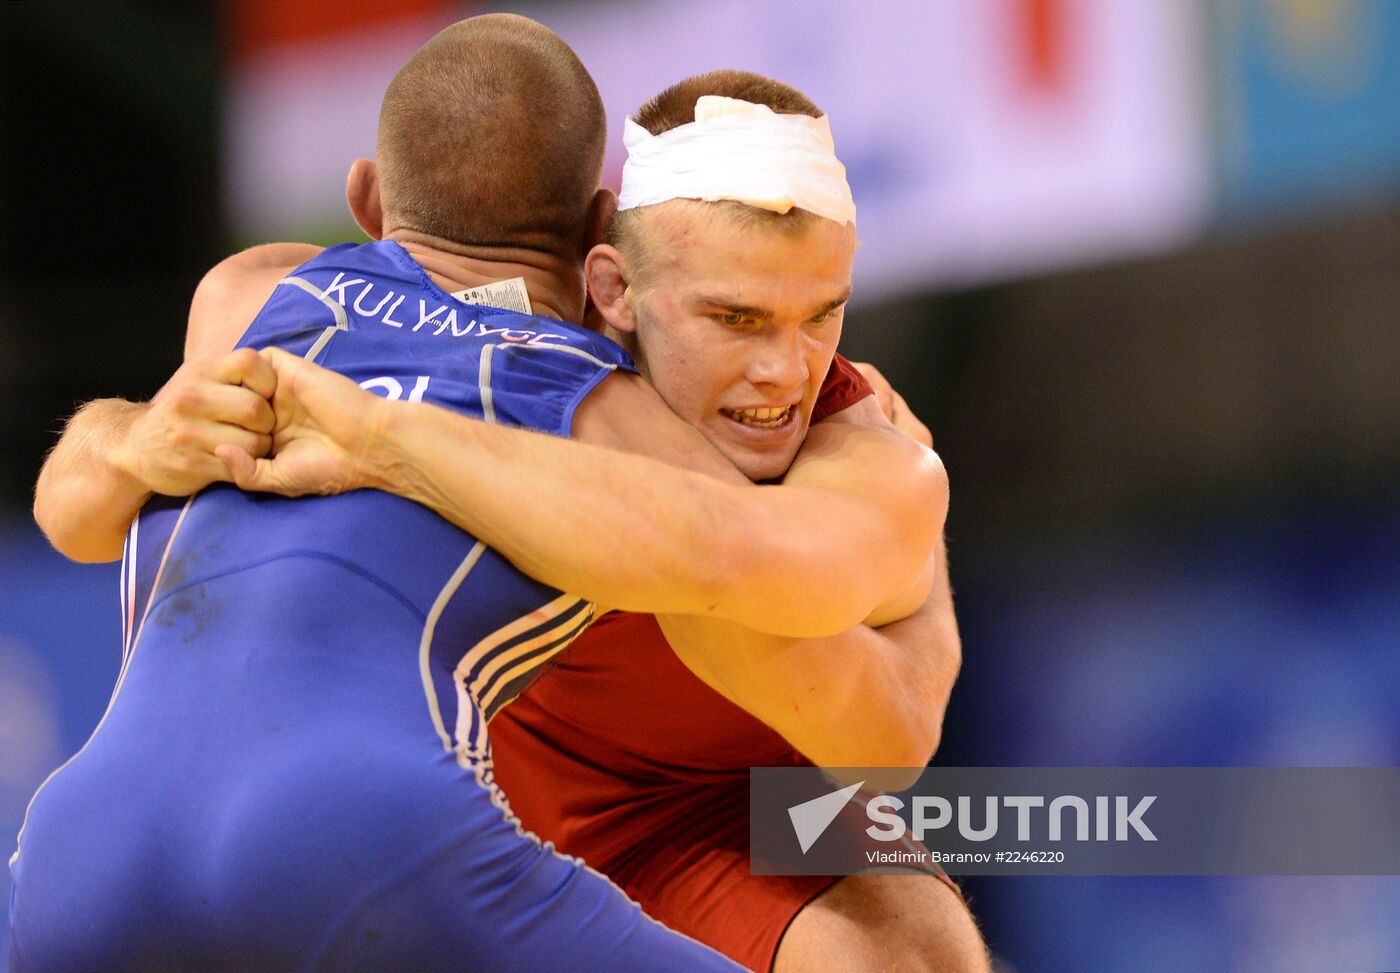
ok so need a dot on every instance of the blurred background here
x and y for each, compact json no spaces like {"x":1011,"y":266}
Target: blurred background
{"x":1136,"y":263}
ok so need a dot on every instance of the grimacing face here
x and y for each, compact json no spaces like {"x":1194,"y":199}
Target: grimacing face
{"x":737,"y":323}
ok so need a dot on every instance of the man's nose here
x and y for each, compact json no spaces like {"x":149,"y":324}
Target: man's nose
{"x":779,"y":362}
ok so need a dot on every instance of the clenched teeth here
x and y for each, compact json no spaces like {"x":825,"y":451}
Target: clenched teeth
{"x":764,"y":418}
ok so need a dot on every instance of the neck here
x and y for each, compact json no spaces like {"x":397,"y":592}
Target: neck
{"x":555,"y":282}
{"x":626,"y":339}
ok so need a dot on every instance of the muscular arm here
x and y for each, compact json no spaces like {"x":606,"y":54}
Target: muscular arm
{"x":869,"y":697}
{"x":837,"y":543}
{"x":114,"y":454}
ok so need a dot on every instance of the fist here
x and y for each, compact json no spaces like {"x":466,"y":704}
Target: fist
{"x":208,"y":403}
{"x":327,"y":434}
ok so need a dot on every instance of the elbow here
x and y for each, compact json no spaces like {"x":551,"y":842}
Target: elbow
{"x":72,"y":542}
{"x":929,"y":708}
{"x":909,"y":744}
{"x":49,"y":522}
{"x":894,"y":779}
{"x":890,"y":759}
{"x":66,"y":544}
{"x":905,"y":727}
{"x":76,"y":547}
{"x":923,"y":749}
{"x":925,"y":728}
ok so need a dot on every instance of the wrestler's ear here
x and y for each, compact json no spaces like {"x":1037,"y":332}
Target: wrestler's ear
{"x":362,"y":193}
{"x":606,"y":269}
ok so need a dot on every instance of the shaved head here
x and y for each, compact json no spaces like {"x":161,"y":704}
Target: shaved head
{"x":492,"y":134}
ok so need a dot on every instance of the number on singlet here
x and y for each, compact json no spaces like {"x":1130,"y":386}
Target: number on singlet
{"x":393,"y":390}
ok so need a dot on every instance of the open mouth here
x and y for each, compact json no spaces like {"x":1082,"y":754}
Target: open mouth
{"x":765,"y":418}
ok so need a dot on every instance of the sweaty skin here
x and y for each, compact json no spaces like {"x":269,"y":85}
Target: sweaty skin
{"x":740,"y":552}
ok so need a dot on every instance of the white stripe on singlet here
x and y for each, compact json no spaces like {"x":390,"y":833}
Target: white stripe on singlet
{"x":342,"y":322}
{"x":425,"y":643}
{"x":133,"y":552}
{"x":121,"y":593}
{"x":474,"y":751}
{"x":155,"y":585}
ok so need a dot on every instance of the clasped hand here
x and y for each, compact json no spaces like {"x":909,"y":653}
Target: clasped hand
{"x":263,"y":420}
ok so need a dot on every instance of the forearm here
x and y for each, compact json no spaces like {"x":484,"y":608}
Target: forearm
{"x":627,"y":531}
{"x":932,"y":648}
{"x":85,"y":500}
{"x":869,"y":697}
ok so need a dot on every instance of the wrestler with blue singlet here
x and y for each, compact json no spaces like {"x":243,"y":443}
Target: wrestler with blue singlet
{"x":293,"y":772}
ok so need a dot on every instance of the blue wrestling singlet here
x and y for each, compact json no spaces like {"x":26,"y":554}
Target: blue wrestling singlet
{"x":293,"y":771}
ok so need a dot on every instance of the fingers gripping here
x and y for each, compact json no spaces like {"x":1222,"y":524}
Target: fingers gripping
{"x":248,"y":473}
{"x":248,"y":368}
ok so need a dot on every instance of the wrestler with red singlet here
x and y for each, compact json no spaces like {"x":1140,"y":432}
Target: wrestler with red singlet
{"x":621,"y":756}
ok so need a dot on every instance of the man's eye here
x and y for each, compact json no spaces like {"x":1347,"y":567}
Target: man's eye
{"x":732,"y":318}
{"x":822,"y":316}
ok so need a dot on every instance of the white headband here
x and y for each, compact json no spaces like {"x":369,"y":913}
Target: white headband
{"x":739,"y":151}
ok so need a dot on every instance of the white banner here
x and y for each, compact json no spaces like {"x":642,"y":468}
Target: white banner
{"x":984,"y":140}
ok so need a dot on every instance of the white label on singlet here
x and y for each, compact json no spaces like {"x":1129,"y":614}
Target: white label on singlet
{"x":508,"y":295}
